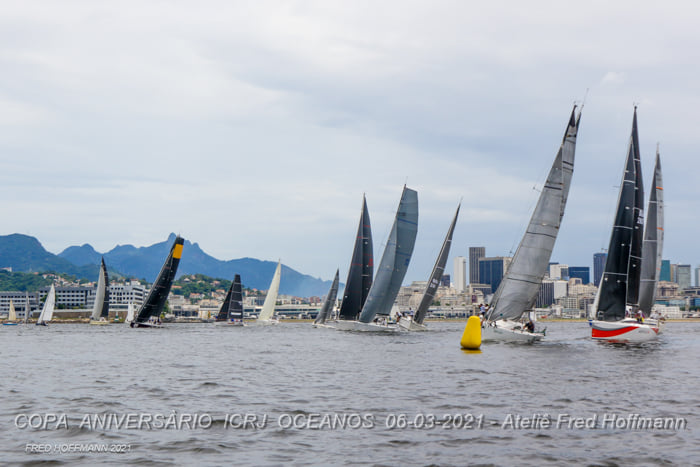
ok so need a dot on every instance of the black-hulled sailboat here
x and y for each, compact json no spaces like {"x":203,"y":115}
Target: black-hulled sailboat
{"x":100,"y":310}
{"x":517,"y":292}
{"x":617,"y":302}
{"x":231,"y":312}
{"x":361,"y":270}
{"x":392,"y":269}
{"x":415,"y":322}
{"x":328,"y":304}
{"x":149,"y":313}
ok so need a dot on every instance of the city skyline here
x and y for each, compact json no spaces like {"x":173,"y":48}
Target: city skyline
{"x":255,"y":131}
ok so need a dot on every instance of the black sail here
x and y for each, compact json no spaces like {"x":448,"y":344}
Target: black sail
{"x":621,"y":269}
{"x":157,"y":296}
{"x":328,"y":303}
{"x":635,"y":264}
{"x":438,"y":271}
{"x":361,"y":270}
{"x":104,"y":313}
{"x":232,"y":308}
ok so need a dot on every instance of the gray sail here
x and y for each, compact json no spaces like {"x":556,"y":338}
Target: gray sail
{"x":438,"y":271}
{"x":361,"y":269}
{"x":518,"y":290}
{"x":101,"y":306}
{"x":653,"y":242}
{"x":394,"y":263}
{"x":330,"y":300}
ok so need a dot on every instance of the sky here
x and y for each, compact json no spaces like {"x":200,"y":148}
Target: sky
{"x":254,"y":128}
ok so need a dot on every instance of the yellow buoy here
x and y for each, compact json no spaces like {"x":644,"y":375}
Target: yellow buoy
{"x":471,"y":339}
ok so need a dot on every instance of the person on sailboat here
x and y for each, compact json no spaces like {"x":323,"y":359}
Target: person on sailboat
{"x":530,"y":326}
{"x":640,"y":316}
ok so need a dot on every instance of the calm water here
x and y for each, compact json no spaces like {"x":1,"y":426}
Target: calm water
{"x":294,"y":370}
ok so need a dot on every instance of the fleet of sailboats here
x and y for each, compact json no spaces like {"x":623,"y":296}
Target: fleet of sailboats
{"x":100,"y":310}
{"x":268,"y":309}
{"x":618,"y":316}
{"x":517,"y":292}
{"x":149,"y":313}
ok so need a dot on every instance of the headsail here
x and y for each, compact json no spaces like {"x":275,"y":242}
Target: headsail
{"x":653,"y":242}
{"x":158,"y":295}
{"x":438,"y":271}
{"x":361,"y":270}
{"x":129,"y":313}
{"x":327,"y":307}
{"x":394,"y":263}
{"x":271,"y":298}
{"x":49,"y":305}
{"x":232,"y":308}
{"x":12,"y":314}
{"x":518,"y":290}
{"x":101,"y":307}
{"x":619,"y":285}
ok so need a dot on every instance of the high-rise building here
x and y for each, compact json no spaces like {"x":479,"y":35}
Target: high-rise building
{"x":599,"y":260}
{"x":445,"y":281}
{"x":491,"y":270}
{"x":460,"y":273}
{"x":683,"y":276}
{"x":475,"y":253}
{"x":665,"y":274}
{"x":582,"y":272}
{"x":697,"y":276}
{"x":674,"y":273}
{"x":558,"y":271}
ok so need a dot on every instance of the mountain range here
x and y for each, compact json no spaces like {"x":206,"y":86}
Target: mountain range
{"x":26,"y":254}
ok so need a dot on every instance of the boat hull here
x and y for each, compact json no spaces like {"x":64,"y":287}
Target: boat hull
{"x":625,"y":331}
{"x":266,"y":322}
{"x":98,"y":322}
{"x":322,"y":325}
{"x":229,"y":323}
{"x":508,"y":331}
{"x":344,"y":325}
{"x":135,"y":324}
{"x":10,"y":324}
{"x":408,"y":324}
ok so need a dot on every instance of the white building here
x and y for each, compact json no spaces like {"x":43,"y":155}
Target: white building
{"x":460,"y":274}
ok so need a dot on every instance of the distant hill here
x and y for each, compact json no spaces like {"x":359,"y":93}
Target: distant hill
{"x":25,"y":254}
{"x":145,"y":262}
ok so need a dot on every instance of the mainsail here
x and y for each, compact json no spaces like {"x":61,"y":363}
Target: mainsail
{"x":518,"y":290}
{"x":653,"y":242}
{"x":438,"y":271}
{"x":361,"y":270}
{"x":157,"y":296}
{"x":101,"y":306}
{"x":232,"y":307}
{"x":330,"y":300}
{"x":619,"y":285}
{"x":49,"y":305}
{"x":12,"y":314}
{"x":271,"y":298}
{"x":394,"y":263}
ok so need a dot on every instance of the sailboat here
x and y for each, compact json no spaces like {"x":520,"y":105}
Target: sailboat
{"x":652,"y":246}
{"x":268,"y":308}
{"x":49,"y":305}
{"x":361,"y":271}
{"x":518,"y":289}
{"x":27,"y":309}
{"x":149,"y":313}
{"x":618,"y":294}
{"x":231,"y":312}
{"x":129,"y":313}
{"x":415,"y":322}
{"x":391,"y":271}
{"x":100,"y":311}
{"x":328,"y":304}
{"x":11,"y":316}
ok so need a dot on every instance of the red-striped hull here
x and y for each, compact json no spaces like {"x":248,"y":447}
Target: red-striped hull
{"x":623,"y":331}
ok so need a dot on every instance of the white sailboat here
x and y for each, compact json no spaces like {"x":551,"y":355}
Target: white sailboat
{"x":49,"y":305}
{"x":515,"y":297}
{"x":100,"y":310}
{"x":268,"y":308}
{"x":11,"y":316}
{"x":129,"y":313}
{"x":616,"y":306}
{"x":392,"y":269}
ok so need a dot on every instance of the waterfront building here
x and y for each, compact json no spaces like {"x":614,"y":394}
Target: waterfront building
{"x":460,"y":272}
{"x":599,"y":260}
{"x":665,"y":273}
{"x":445,"y":281}
{"x":475,"y":254}
{"x":558,"y":271}
{"x":581,"y":272}
{"x":683,"y":276}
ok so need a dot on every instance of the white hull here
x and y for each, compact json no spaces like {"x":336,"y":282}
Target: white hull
{"x":324,"y":325}
{"x":625,"y":331}
{"x":266,"y":322}
{"x":408,"y":324}
{"x":508,"y":331}
{"x":230,"y":323}
{"x":344,"y":325}
{"x":145,"y":325}
{"x":98,"y":322}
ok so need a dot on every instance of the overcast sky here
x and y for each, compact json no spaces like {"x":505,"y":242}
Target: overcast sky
{"x":254,"y":128}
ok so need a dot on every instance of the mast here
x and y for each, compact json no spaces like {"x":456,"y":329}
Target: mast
{"x":26,"y":310}
{"x":518,"y":290}
{"x":653,"y":241}
{"x":394,"y":263}
{"x":622,"y":268}
{"x":328,"y":303}
{"x":361,"y":269}
{"x":158,"y":295}
{"x":438,"y":271}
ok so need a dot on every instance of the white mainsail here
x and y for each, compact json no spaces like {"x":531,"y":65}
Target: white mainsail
{"x":271,"y":298}
{"x":129,"y":313}
{"x":12,"y":315}
{"x":47,"y":311}
{"x":518,"y":290}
